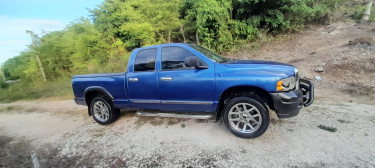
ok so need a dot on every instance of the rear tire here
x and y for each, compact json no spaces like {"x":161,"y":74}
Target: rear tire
{"x":246,"y":117}
{"x":103,"y":111}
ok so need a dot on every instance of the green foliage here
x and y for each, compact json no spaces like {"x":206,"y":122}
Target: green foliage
{"x":14,"y":68}
{"x":104,"y":43}
{"x":138,"y":22}
{"x":210,"y":19}
{"x":3,"y":85}
{"x":357,"y":11}
{"x":286,"y":15}
{"x":60,"y":89}
{"x":87,"y":51}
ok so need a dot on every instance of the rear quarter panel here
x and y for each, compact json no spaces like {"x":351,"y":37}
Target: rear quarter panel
{"x":113,"y":84}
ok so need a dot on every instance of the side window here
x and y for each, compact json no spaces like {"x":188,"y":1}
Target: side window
{"x":145,"y":60}
{"x":173,"y":58}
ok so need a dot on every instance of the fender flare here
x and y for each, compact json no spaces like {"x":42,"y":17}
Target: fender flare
{"x":98,"y":89}
{"x":260,"y":90}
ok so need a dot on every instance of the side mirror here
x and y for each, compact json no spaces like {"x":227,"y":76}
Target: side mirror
{"x":194,"y":62}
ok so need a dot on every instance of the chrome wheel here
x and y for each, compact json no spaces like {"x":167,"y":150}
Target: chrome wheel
{"x":244,"y":118}
{"x":101,"y":111}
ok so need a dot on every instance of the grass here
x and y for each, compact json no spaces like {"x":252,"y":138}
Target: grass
{"x":21,"y":91}
{"x":355,"y":10}
{"x":4,"y":109}
{"x":327,"y":128}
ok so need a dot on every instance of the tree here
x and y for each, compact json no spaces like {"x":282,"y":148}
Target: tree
{"x":210,"y":21}
{"x":139,"y":22}
{"x":34,"y":39}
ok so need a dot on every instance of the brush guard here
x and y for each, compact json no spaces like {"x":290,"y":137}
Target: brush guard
{"x":307,"y":88}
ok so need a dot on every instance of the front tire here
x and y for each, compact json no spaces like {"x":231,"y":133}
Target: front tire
{"x":103,"y":111}
{"x":246,"y":117}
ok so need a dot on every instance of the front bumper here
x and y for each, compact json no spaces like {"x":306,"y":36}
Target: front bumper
{"x":288,"y":104}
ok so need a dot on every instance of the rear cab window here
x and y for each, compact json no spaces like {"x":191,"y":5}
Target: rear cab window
{"x":145,"y":60}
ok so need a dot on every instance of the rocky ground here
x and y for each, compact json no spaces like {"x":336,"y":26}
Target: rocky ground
{"x":74,"y":139}
{"x":336,"y":131}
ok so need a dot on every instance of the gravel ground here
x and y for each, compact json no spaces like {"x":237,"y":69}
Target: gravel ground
{"x":66,"y":140}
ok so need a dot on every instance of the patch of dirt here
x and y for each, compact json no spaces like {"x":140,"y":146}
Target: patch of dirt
{"x":360,"y":90}
{"x":15,"y":153}
{"x":152,"y":120}
{"x":41,"y":120}
{"x":344,"y":121}
{"x":4,"y":140}
{"x":362,"y":40}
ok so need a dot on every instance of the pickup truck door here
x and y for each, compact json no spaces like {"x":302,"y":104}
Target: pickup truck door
{"x":143,"y":82}
{"x":184,"y":88}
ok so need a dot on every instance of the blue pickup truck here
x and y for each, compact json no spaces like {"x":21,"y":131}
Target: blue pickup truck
{"x":187,"y":80}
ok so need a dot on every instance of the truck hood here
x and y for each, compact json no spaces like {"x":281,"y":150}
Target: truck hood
{"x":266,"y":67}
{"x":246,"y":62}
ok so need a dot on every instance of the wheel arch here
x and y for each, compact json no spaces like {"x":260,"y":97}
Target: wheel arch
{"x":93,"y":91}
{"x":237,"y":90}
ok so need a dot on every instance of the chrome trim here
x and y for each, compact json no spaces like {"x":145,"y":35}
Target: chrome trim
{"x":296,"y":75}
{"x":173,"y":102}
{"x":133,"y":79}
{"x":145,"y":101}
{"x":187,"y":102}
{"x":166,"y":78}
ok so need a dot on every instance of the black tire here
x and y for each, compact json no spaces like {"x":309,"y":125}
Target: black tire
{"x":113,"y":113}
{"x":253,"y":102}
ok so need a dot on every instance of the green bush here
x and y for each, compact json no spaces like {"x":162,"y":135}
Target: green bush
{"x":3,"y":85}
{"x":357,"y":11}
{"x":372,"y":16}
{"x":285,"y":15}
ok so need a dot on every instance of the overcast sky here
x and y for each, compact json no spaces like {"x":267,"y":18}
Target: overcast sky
{"x":17,"y":16}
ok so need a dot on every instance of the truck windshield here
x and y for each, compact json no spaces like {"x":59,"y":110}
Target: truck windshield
{"x":211,"y":55}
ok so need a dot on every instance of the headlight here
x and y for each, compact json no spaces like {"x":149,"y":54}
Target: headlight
{"x":286,"y":84}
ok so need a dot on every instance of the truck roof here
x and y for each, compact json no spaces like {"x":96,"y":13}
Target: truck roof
{"x":166,"y":44}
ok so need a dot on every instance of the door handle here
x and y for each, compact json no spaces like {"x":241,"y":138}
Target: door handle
{"x":133,"y":79}
{"x":166,"y":78}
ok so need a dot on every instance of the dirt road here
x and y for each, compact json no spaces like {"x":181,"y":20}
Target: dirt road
{"x":61,"y":134}
{"x":73,"y":139}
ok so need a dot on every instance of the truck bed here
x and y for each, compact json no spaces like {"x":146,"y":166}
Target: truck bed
{"x":113,"y":83}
